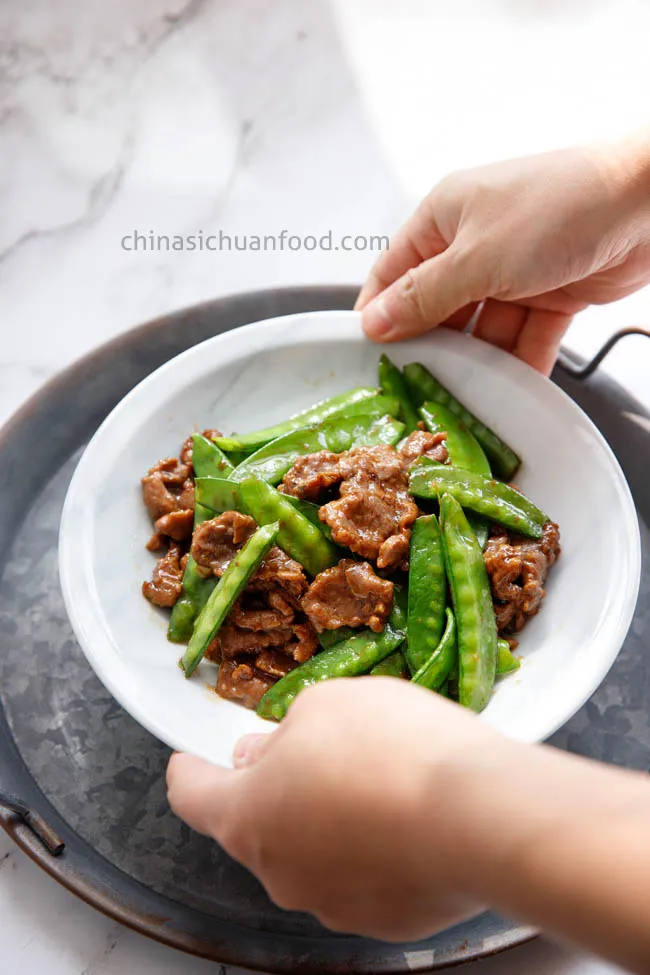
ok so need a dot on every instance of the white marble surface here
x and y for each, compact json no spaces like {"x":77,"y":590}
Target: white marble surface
{"x":251,"y":116}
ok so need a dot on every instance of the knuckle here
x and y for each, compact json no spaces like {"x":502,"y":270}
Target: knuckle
{"x":413,"y":294}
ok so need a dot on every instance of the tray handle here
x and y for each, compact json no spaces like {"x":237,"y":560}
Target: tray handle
{"x":35,"y":822}
{"x":583,"y":370}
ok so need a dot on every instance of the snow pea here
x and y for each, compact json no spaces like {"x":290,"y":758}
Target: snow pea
{"x":329,"y":638}
{"x":392,"y":666}
{"x":207,"y":460}
{"x":393,"y":383}
{"x":298,"y":537}
{"x":427,"y":592}
{"x":473,"y":609}
{"x":195,"y":592}
{"x":435,"y":671}
{"x":218,"y":494}
{"x":506,"y":660}
{"x":226,"y":592}
{"x":272,"y":461}
{"x":348,"y":402}
{"x":465,"y":452}
{"x":349,"y":658}
{"x":425,"y":387}
{"x":493,"y":499}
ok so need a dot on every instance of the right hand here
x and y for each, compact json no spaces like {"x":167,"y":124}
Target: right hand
{"x":537,"y":239}
{"x":344,"y":811}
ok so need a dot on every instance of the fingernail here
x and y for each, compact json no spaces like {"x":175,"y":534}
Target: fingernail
{"x":375,"y":319}
{"x":247,"y":750}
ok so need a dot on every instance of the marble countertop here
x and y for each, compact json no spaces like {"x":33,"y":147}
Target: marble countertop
{"x":251,"y":117}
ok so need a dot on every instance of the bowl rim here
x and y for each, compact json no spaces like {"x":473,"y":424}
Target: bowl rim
{"x":78,"y":587}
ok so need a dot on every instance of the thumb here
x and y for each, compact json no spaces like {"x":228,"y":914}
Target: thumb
{"x":199,"y":792}
{"x":426,"y":296}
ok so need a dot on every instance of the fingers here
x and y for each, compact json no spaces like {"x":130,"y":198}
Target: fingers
{"x":538,"y":342}
{"x":250,"y":749}
{"x":422,"y":298}
{"x":199,"y":792}
{"x":532,"y":334}
{"x":500,"y":323}
{"x":417,"y":241}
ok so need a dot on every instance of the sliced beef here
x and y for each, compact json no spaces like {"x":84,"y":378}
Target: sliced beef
{"x":168,"y":487}
{"x":240,"y":681}
{"x":517,"y":568}
{"x":312,"y":476}
{"x":296,"y":640}
{"x":232,"y":641}
{"x":216,"y":542}
{"x":274,"y":664}
{"x":348,"y":594}
{"x":421,"y":443}
{"x":188,"y":446}
{"x":156,"y":542}
{"x":177,"y":524}
{"x":167,"y":581}
{"x":268,"y":616}
{"x":281,"y":576}
{"x":374,"y":512}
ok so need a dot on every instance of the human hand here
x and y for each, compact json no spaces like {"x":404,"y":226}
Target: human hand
{"x":537,"y":239}
{"x":343,"y":812}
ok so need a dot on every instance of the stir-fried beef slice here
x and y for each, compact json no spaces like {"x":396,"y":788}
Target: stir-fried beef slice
{"x":274,"y":664}
{"x":216,"y":542}
{"x":188,"y":446}
{"x":280,"y":573}
{"x":168,"y":487}
{"x":517,"y":568}
{"x":374,"y":514}
{"x":304,"y":644}
{"x":235,"y":640}
{"x":167,"y":581}
{"x":177,"y":525}
{"x":297,"y":641}
{"x":258,"y":618}
{"x":421,"y":443}
{"x":156,"y":542}
{"x":348,"y":594}
{"x":313,"y":475}
{"x":240,"y":681}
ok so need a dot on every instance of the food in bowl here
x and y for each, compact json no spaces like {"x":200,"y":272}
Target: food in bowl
{"x":374,"y":533}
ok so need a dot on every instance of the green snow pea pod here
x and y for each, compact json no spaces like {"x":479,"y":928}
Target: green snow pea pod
{"x":350,"y":658}
{"x":343,"y":403}
{"x":393,"y":383}
{"x":465,"y":452}
{"x":297,"y":536}
{"x":392,"y":666}
{"x":493,"y":499}
{"x":506,"y":660}
{"x":196,"y":590}
{"x":435,"y":672}
{"x":329,"y":638}
{"x":207,"y":460}
{"x":424,"y":387}
{"x":218,"y":494}
{"x":224,"y":595}
{"x":473,"y":609}
{"x":427,"y":592}
{"x":272,"y":461}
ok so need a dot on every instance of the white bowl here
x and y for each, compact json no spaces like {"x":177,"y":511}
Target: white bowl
{"x":262,"y":373}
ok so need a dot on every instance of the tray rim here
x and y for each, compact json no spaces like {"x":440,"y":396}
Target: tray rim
{"x":100,"y":895}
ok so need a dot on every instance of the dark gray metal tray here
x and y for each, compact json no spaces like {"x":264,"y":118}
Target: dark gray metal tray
{"x":76,"y":770}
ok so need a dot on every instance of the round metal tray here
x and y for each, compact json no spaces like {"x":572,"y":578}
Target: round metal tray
{"x":77,"y":772}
